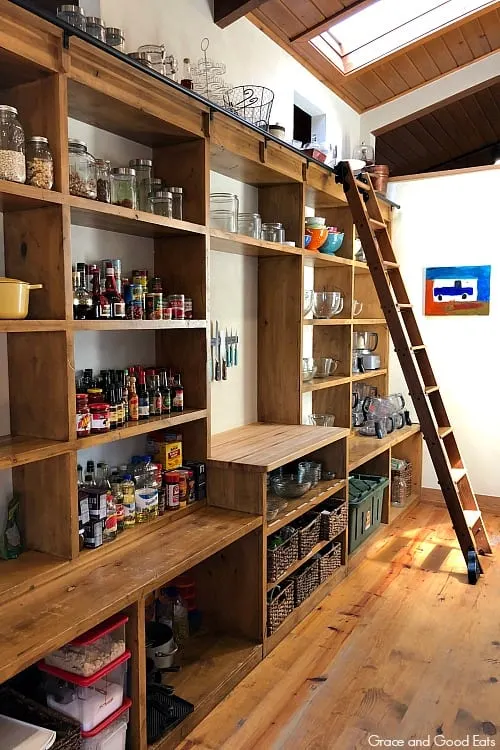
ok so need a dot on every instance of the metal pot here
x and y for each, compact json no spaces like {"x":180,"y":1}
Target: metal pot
{"x":367,"y":340}
{"x":14,"y":298}
{"x":160,"y":644}
{"x":371,"y":361}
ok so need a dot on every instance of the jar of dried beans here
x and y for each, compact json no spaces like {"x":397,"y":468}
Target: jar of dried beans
{"x":103,"y":170}
{"x":82,"y":170}
{"x":12,"y":162}
{"x":124,"y":187}
{"x":39,"y":163}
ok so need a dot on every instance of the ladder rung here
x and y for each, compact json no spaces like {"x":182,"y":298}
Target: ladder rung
{"x":444,"y":431}
{"x":390,"y":264}
{"x":404,"y":306}
{"x":362,"y":185}
{"x":377,"y":224}
{"x":457,"y":474}
{"x":431,"y":389}
{"x":418,"y":348}
{"x":472,"y":517}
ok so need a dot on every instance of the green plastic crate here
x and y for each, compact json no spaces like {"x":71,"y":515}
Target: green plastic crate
{"x":366,"y":495}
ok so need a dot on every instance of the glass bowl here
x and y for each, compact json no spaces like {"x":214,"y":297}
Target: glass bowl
{"x":322,"y":420}
{"x":308,"y":369}
{"x":308,"y":301}
{"x":327,"y":304}
{"x":289,"y":486}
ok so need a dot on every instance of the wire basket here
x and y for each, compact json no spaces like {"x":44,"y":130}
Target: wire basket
{"x":330,"y":561}
{"x":334,"y":517}
{"x":279,"y":608}
{"x":252,"y":103}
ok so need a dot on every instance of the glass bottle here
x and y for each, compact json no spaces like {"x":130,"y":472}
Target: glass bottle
{"x":113,"y":296}
{"x":12,"y":161}
{"x":116,"y":489}
{"x":113,"y":411}
{"x":133,"y":401}
{"x":166,"y":395}
{"x":178,"y":399}
{"x":143,"y":396}
{"x":90,"y":474}
{"x":187,"y":74}
{"x":79,"y":471}
{"x":128,"y":493}
{"x":103,"y":175}
{"x":39,"y":163}
{"x":101,"y":308}
{"x":124,"y":386}
{"x":82,"y":299}
{"x":157,"y":396}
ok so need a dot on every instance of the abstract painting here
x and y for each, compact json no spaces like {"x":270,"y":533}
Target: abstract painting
{"x":457,"y":290}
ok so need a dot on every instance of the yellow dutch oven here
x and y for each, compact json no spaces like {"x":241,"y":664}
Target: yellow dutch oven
{"x":14,"y":298}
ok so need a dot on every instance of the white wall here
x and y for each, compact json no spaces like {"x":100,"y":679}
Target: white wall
{"x":446,"y":221}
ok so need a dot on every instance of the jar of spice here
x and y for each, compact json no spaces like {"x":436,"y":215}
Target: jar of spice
{"x":128,"y":492}
{"x":115,"y":38}
{"x":171,"y":483}
{"x":100,"y":418}
{"x":74,"y":15}
{"x":161,"y":203}
{"x":95,"y":396}
{"x":177,"y":194}
{"x":39,"y":163}
{"x":82,"y":171}
{"x":96,"y":27}
{"x":103,"y":171}
{"x":12,"y":162}
{"x":176,"y":302}
{"x":83,"y":421}
{"x":123,"y":187}
{"x":143,"y":174}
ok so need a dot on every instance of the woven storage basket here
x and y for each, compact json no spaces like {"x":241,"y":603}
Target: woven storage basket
{"x":309,"y":534}
{"x":19,"y":707}
{"x":305,"y":582}
{"x":280,"y":558}
{"x":279,"y":609}
{"x":334,"y":519}
{"x":399,"y":494}
{"x":330,"y":561}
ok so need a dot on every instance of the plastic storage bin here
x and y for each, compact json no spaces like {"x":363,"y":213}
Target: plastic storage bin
{"x":89,"y":700}
{"x":111,"y":734}
{"x":366,"y":495}
{"x":93,"y":650}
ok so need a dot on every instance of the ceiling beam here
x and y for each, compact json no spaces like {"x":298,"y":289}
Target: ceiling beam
{"x":228,"y":11}
{"x":318,"y":28}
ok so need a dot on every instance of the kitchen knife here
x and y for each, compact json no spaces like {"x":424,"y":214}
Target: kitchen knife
{"x":217,"y":343}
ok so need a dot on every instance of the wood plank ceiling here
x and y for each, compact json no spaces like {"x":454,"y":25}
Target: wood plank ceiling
{"x":454,"y":47}
{"x":460,"y":133}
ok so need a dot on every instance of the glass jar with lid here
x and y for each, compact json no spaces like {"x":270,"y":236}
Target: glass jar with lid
{"x":103,"y":174}
{"x":143,"y":175}
{"x":39,"y":163}
{"x":161,"y":203}
{"x":74,"y":15}
{"x":96,"y":27}
{"x":224,"y":211}
{"x":143,"y":58}
{"x":177,"y":195}
{"x":12,"y":162}
{"x":123,"y":187}
{"x":156,"y":56}
{"x":82,"y":171}
{"x":115,"y":38}
{"x":273,"y":232}
{"x":250,"y":224}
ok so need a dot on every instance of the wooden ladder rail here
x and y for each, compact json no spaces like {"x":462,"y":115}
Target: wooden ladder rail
{"x":424,"y":391}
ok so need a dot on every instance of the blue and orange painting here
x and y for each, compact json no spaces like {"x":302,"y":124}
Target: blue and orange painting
{"x":457,"y":290}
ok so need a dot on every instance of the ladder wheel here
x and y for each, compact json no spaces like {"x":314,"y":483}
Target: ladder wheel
{"x":473,"y":568}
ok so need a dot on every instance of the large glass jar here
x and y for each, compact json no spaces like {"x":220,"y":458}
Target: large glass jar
{"x":82,"y":171}
{"x":177,"y":194}
{"x":115,"y":38}
{"x":224,"y":211}
{"x":161,"y":204}
{"x":273,"y":232}
{"x":96,"y":27}
{"x":73,"y":15}
{"x":250,"y":224}
{"x":39,"y":163}
{"x":156,"y":56}
{"x":103,"y":172}
{"x":123,"y":187}
{"x":12,"y":162}
{"x":143,"y":58}
{"x":143,"y":175}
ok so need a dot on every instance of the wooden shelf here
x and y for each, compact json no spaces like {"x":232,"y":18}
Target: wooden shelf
{"x":264,"y":447}
{"x":142,"y":427}
{"x":369,"y":322}
{"x":327,"y":322}
{"x":19,"y":450}
{"x":322,"y":260}
{"x":369,"y":374}
{"x":296,"y":508}
{"x":29,"y":571}
{"x":89,"y":213}
{"x":210,"y":667}
{"x":17,"y":197}
{"x":362,"y":449}
{"x":240,"y":244}
{"x":318,"y":384}
{"x":299,"y":563}
{"x":62,"y":612}
{"x":31,"y":326}
{"x":137,"y":325}
{"x":307,"y":606}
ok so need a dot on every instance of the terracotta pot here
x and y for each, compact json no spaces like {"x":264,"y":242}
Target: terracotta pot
{"x":380,"y":176}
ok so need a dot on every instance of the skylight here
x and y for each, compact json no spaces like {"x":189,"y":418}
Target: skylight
{"x":385,"y":26}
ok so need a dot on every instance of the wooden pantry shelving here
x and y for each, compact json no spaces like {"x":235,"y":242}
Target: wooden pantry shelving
{"x":54,"y":592}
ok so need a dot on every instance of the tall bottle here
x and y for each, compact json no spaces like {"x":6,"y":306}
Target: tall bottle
{"x":112,"y":294}
{"x":133,"y":400}
{"x":187,"y":74}
{"x":111,"y":525}
{"x":100,"y":304}
{"x":82,"y":300}
{"x":178,"y":399}
{"x":166,"y":395}
{"x":142,"y":392}
{"x":124,"y":385}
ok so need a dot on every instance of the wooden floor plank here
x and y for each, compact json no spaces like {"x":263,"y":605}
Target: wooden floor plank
{"x":402,"y":648}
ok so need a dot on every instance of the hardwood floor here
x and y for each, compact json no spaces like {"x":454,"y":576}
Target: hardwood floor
{"x":404,"y":648}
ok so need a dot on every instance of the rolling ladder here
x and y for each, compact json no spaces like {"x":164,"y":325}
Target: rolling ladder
{"x":412,"y":353}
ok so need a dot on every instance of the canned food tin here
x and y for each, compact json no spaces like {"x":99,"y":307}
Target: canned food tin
{"x":176,"y":302}
{"x":188,"y":308}
{"x":154,"y":306}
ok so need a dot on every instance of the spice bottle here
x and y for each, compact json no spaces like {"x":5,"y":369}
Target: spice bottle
{"x":171,"y":485}
{"x":128,"y":493}
{"x":113,"y":296}
{"x":133,"y":401}
{"x":101,"y":308}
{"x":178,"y":399}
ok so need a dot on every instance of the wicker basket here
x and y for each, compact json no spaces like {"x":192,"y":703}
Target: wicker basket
{"x":24,"y":709}
{"x":279,"y":609}
{"x":309,"y":534}
{"x":401,"y":485}
{"x":334,"y":519}
{"x":305,"y":582}
{"x":280,"y":558}
{"x":330,"y":561}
